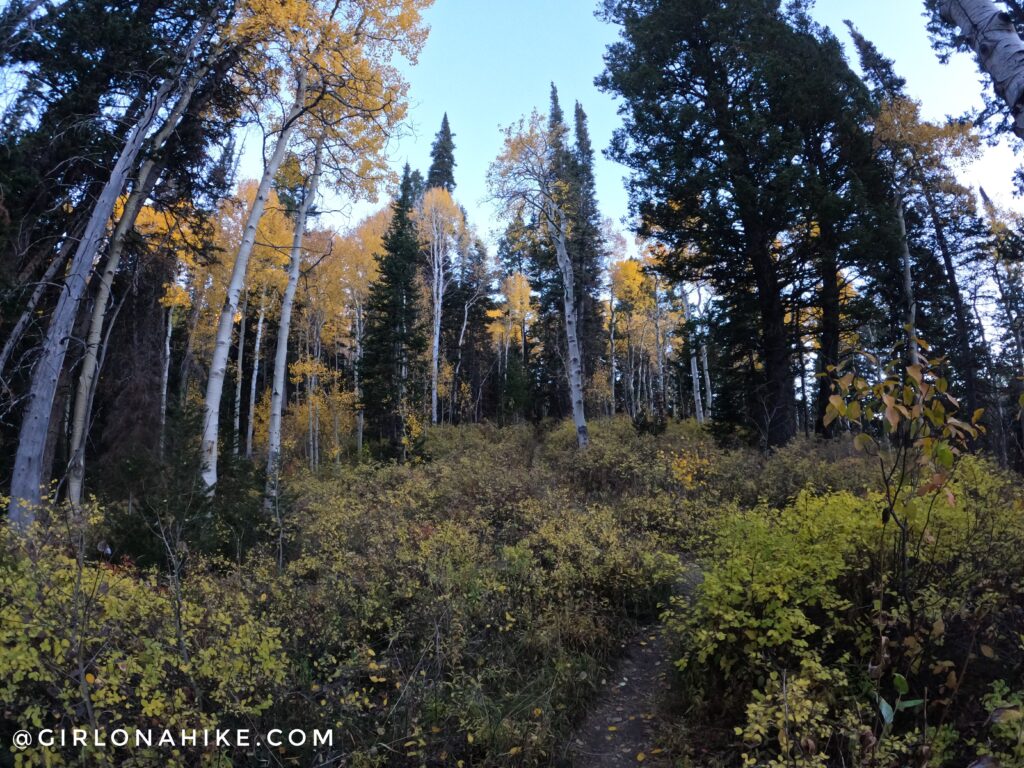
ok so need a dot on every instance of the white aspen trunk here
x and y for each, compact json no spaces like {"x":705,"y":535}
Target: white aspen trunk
{"x":222,"y":344}
{"x":659,"y":341}
{"x":458,"y":362}
{"x":30,"y":474}
{"x":284,"y":326}
{"x":698,"y":405}
{"x":437,"y":294}
{"x":165,"y":375}
{"x":239,"y":371}
{"x":708,"y":397}
{"x":574,"y":365}
{"x":990,"y":31}
{"x":611,"y":346}
{"x":89,"y":372}
{"x":250,"y":424}
{"x":439,"y":278}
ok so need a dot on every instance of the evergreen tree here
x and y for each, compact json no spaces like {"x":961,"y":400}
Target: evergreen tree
{"x":394,"y":337}
{"x":525,"y":248}
{"x":442,"y":159}
{"x":712,"y":153}
{"x":586,"y":247}
{"x":944,"y":232}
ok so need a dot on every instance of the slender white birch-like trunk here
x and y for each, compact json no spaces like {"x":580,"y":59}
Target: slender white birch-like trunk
{"x":239,"y":371}
{"x":165,"y":375}
{"x":284,"y":326}
{"x":437,"y":299}
{"x":222,"y":344}
{"x":708,"y":397}
{"x":611,"y":348}
{"x":574,"y":363}
{"x":990,"y":31}
{"x":144,"y":183}
{"x":30,"y":474}
{"x":698,"y":405}
{"x":250,"y":424}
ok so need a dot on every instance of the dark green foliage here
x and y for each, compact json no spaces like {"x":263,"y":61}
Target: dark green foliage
{"x":442,"y":159}
{"x":710,"y":142}
{"x":747,"y":134}
{"x":394,"y":336}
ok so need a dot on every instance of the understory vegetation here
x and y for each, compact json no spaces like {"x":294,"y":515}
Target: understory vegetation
{"x":463,"y":608}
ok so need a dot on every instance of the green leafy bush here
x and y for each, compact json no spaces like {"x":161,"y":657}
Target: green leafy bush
{"x":803,"y":640}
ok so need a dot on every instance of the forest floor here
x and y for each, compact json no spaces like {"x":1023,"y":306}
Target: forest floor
{"x":625,"y":725}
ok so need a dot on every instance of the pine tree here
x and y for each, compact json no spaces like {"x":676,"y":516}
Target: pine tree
{"x":585,"y":246}
{"x":943,"y":229}
{"x":394,"y":336}
{"x":442,"y":159}
{"x":713,"y":159}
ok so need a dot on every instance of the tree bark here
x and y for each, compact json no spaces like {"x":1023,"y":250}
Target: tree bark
{"x":698,"y":405}
{"x":910,"y":319}
{"x":776,"y":400}
{"x":991,"y":33}
{"x":829,"y":304}
{"x":236,"y":426}
{"x":960,"y":315}
{"x":30,"y":474}
{"x":251,"y":421}
{"x":611,"y":349}
{"x":165,"y":370}
{"x":222,"y":344}
{"x":284,"y":326}
{"x":574,"y":363}
{"x":708,"y":397}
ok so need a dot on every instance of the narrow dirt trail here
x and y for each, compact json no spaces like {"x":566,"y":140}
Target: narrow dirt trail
{"x":621,"y":729}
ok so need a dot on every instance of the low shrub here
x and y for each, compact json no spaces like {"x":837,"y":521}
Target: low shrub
{"x":806,"y":644}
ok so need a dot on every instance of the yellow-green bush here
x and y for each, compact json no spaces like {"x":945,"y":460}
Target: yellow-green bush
{"x":101,"y":646}
{"x":464,"y":607}
{"x":808,"y":642}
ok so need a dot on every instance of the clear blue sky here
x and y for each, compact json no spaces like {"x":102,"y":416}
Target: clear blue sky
{"x":488,"y":62}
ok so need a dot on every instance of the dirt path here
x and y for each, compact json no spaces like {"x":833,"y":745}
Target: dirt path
{"x":621,"y":729}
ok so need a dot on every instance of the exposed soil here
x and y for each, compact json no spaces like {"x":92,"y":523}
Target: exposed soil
{"x":622,"y":728}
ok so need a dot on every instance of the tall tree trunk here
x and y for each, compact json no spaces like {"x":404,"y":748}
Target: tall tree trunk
{"x":574,"y":364}
{"x":30,"y":473}
{"x":437,"y":300}
{"x":967,"y":365}
{"x":239,"y":375}
{"x":708,"y":397}
{"x":698,"y":405}
{"x":284,"y":326}
{"x":910,"y":319}
{"x":165,"y":371}
{"x":776,"y":400}
{"x":829,"y":304}
{"x":251,"y":420}
{"x":659,"y":347}
{"x":89,"y":372}
{"x":611,"y":350}
{"x":222,"y":344}
{"x":991,"y":33}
